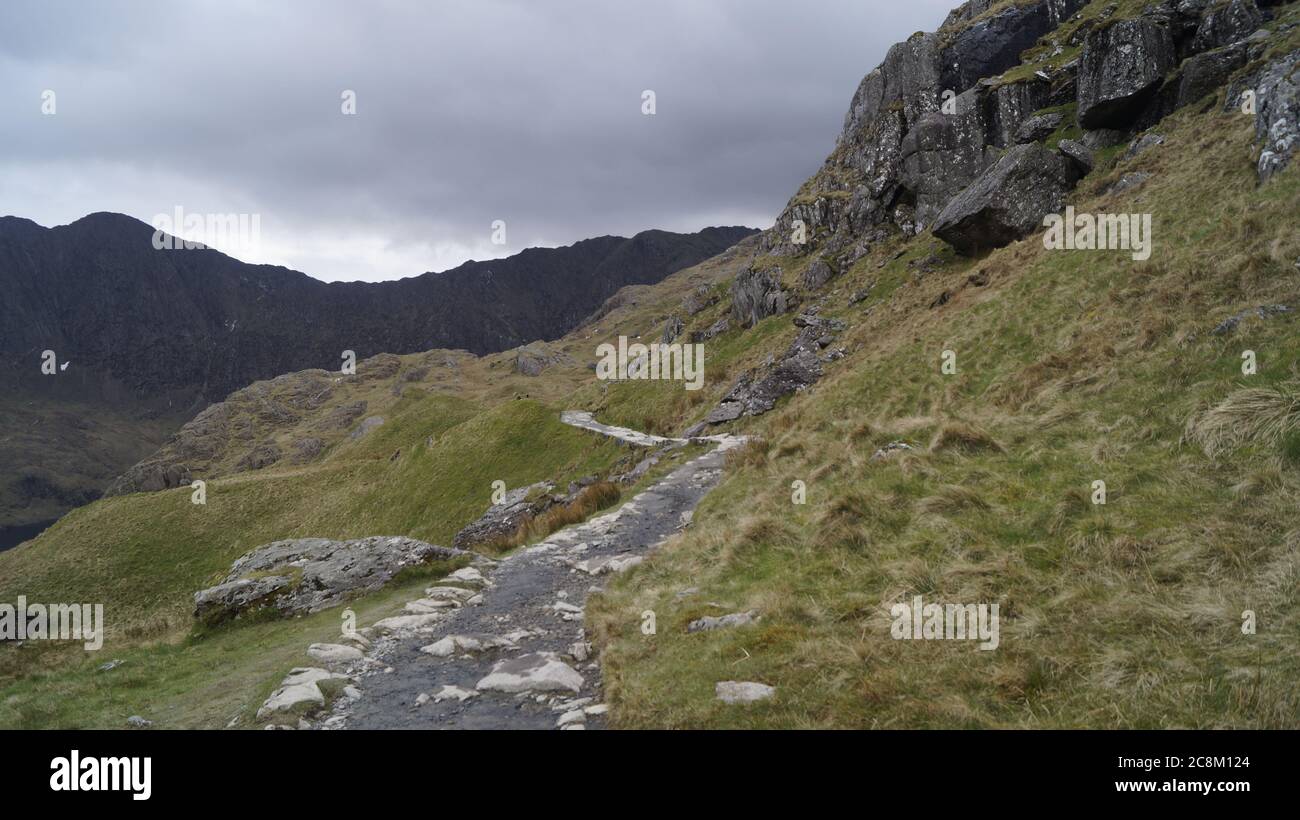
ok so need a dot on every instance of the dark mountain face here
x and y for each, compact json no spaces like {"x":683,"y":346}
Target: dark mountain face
{"x":150,"y":337}
{"x":153,"y":321}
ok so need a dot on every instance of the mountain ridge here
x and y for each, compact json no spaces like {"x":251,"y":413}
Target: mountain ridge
{"x":150,"y":337}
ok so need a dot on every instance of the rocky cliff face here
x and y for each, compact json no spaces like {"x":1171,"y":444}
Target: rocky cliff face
{"x":936,"y":122}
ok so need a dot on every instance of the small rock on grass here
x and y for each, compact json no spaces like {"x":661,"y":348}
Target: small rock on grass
{"x":709,"y":623}
{"x":730,"y":691}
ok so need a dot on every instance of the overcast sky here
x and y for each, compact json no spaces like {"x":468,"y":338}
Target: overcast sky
{"x":525,"y":111}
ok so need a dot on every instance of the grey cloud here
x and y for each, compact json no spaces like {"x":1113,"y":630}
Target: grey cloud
{"x":467,"y":112}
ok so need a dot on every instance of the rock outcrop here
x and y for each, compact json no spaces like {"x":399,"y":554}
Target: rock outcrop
{"x":986,"y":44}
{"x":928,"y":125}
{"x":755,"y":295}
{"x":799,"y":367}
{"x":1277,"y":114}
{"x":304,"y":575}
{"x":503,"y":519}
{"x":817,"y":273}
{"x":532,"y":359}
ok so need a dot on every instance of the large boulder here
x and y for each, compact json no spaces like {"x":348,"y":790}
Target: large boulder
{"x":303,"y":575}
{"x":1121,"y":68}
{"x":755,"y":295}
{"x":1079,"y":154}
{"x":1008,"y":201}
{"x":1038,"y":128}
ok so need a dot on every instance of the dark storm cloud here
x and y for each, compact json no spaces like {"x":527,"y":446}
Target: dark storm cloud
{"x":467,"y":112}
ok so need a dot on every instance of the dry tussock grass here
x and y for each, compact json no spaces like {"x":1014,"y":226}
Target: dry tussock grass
{"x":753,"y":454}
{"x":1257,"y":415}
{"x":952,"y":499}
{"x":592,"y":499}
{"x":963,"y":438}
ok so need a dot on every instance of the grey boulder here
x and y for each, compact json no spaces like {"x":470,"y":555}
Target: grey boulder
{"x":503,"y":519}
{"x":942,"y":154}
{"x":1121,"y":68}
{"x":1205,"y":72}
{"x":1009,"y":201}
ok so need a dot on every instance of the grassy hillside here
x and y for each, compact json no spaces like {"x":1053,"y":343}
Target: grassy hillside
{"x":1073,"y":367}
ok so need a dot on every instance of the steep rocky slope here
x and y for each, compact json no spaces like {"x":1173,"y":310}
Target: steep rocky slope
{"x":942,"y":111}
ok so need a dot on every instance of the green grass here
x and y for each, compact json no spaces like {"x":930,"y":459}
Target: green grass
{"x":144,"y":555}
{"x":207,"y":680}
{"x":1082,"y":366}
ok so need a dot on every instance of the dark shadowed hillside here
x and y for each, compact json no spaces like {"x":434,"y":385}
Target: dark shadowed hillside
{"x":152,"y":336}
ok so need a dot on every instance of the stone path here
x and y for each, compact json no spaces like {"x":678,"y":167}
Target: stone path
{"x":501,"y":645}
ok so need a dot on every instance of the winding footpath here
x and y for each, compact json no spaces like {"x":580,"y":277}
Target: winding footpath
{"x":502,"y":644}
